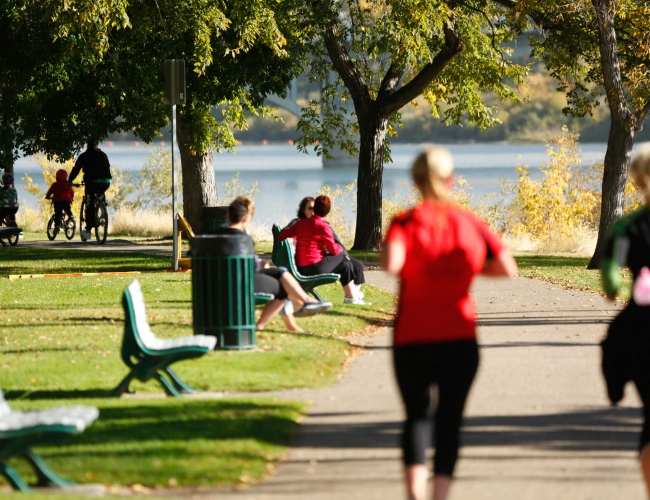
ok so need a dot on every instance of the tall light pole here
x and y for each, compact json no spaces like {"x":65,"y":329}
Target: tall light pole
{"x":175,"y":93}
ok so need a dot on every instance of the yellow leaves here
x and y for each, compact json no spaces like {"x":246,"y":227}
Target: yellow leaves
{"x":49,"y":169}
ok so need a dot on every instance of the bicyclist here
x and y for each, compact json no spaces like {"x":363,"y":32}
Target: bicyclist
{"x":61,"y":195}
{"x":8,"y":200}
{"x":97,"y":178}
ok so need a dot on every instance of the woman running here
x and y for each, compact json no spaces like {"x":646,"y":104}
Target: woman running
{"x":626,"y":350}
{"x":436,"y":249}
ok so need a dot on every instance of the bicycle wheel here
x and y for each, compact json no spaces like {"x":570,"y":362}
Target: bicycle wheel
{"x":70,"y":226}
{"x":101,"y":222}
{"x":82,"y":220}
{"x":51,"y":229}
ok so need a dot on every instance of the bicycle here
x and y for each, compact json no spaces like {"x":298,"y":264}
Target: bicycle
{"x":101,"y":217}
{"x":68,"y":225}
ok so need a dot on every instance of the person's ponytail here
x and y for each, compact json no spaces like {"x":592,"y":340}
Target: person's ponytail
{"x":640,"y":168}
{"x":431,"y":172}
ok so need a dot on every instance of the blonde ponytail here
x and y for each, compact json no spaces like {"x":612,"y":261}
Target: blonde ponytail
{"x":431,"y":171}
{"x":640,"y":168}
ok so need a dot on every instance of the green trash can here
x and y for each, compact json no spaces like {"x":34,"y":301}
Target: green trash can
{"x":223,"y":287}
{"x":214,"y":217}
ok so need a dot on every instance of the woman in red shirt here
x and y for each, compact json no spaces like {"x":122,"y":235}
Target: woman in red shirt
{"x":317,"y":251}
{"x":436,"y":249}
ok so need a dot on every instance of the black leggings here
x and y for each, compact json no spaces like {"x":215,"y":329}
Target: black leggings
{"x":451,"y":366}
{"x":7,"y":212}
{"x":268,"y":281}
{"x":92,"y":189}
{"x":629,"y":358}
{"x":61,"y":207}
{"x":349,"y":270}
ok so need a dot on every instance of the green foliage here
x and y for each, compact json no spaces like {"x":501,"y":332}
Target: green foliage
{"x":390,"y":45}
{"x":151,"y":187}
{"x":69,"y":71}
{"x":558,"y":207}
{"x":570,"y":49}
{"x":233,"y":188}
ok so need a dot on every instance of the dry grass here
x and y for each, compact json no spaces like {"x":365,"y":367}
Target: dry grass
{"x":126,"y":222}
{"x":581,"y":243}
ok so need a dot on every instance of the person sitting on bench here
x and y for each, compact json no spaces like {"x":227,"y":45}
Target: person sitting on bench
{"x":277,"y":280}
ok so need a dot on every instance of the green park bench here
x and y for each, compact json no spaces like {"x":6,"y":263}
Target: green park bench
{"x":11,"y":234}
{"x":283,"y":256}
{"x":148,"y":356}
{"x":19,"y":431}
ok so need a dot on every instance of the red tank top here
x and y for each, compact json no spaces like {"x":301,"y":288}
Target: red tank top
{"x":445,"y":248}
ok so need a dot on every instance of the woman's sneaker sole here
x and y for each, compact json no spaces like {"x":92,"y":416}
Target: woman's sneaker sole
{"x":312,"y":308}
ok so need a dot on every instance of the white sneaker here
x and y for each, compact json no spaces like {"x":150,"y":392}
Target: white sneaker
{"x":356,"y":302}
{"x":85,"y":235}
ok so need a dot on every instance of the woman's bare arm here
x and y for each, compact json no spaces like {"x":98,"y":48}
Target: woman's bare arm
{"x":393,"y":257}
{"x":501,"y":265}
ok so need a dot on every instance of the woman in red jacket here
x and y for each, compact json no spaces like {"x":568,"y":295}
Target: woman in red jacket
{"x":436,"y":249}
{"x":61,"y":195}
{"x":317,"y":251}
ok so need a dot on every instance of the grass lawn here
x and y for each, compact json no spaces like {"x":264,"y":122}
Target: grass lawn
{"x":61,"y":340}
{"x":172,"y":441}
{"x":17,"y":260}
{"x":569,"y":272}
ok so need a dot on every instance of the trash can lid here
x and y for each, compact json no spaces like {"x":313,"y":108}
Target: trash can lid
{"x":222,"y":244}
{"x":215,"y":213}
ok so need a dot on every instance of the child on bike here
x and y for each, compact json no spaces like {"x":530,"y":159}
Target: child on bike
{"x":8,"y":201}
{"x":61,"y":195}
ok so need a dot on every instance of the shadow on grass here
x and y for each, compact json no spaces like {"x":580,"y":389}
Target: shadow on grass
{"x":186,"y":420}
{"x":32,"y":395}
{"x":552,"y":261}
{"x":74,"y":261}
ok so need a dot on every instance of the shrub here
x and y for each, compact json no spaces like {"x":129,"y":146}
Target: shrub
{"x":151,"y":223}
{"x":340,"y":197}
{"x":561,"y":211}
{"x":36,"y":220}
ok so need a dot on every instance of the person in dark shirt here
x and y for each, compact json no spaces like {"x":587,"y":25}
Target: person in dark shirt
{"x":626,"y":349}
{"x":97,"y":179}
{"x":277,"y":280}
{"x":8,"y":201}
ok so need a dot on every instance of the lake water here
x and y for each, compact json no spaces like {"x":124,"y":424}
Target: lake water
{"x":285,"y":176}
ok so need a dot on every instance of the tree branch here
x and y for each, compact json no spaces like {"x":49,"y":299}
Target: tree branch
{"x":641,"y":116}
{"x":538,"y":17}
{"x":390,"y":81}
{"x":344,"y":65}
{"x":429,"y":72}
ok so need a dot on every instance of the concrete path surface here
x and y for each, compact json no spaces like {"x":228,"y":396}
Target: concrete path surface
{"x":538,"y":425}
{"x":111,"y":245}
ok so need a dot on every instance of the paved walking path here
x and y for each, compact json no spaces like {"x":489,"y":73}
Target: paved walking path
{"x":537,"y":426}
{"x":111,"y":245}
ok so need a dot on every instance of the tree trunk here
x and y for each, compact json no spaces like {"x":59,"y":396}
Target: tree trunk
{"x":372,"y":132}
{"x":199,"y":183}
{"x":617,"y":158}
{"x":622,"y":127}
